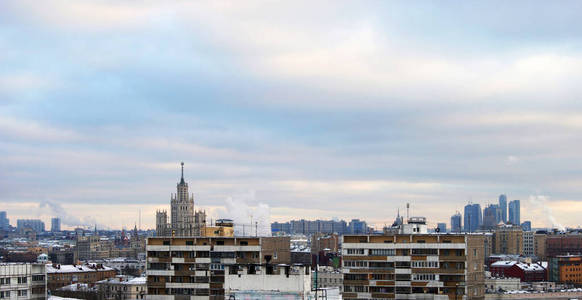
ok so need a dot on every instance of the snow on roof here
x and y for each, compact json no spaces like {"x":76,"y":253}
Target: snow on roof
{"x":503,"y":263}
{"x":524,"y":266}
{"x":124,"y":280}
{"x":75,"y":287}
{"x":50,"y":268}
{"x":138,"y":280}
{"x":530,"y":267}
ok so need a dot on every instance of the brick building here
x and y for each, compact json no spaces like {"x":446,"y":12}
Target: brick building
{"x":526,"y":272}
{"x":62,"y":275}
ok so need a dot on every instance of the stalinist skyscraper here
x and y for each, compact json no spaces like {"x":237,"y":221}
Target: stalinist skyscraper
{"x":184,"y":220}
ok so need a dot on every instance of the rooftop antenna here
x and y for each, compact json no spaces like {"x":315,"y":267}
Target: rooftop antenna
{"x":407,"y":211}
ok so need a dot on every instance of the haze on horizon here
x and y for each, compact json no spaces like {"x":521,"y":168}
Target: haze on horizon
{"x":317,"y":110}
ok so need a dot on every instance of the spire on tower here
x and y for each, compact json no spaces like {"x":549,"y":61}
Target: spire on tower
{"x":182,"y":180}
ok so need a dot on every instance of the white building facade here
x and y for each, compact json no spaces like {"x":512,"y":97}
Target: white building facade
{"x":20,"y":281}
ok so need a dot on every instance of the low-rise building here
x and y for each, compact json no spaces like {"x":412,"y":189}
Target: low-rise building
{"x":526,"y":272}
{"x":222,"y":227}
{"x":122,"y":287}
{"x":292,"y":281}
{"x":125,"y":266}
{"x":327,"y":277}
{"x":63,"y":275}
{"x":498,"y":284}
{"x":565,"y":269}
{"x":23,"y":281}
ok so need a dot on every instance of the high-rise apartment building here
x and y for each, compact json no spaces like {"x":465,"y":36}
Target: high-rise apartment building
{"x":4,"y":222}
{"x":308,"y":227}
{"x":413,"y":266}
{"x":514,"y":212}
{"x":184,"y":221}
{"x":55,"y":225}
{"x":223,"y":268}
{"x":456,"y":220}
{"x":503,"y":207}
{"x":473,"y":217}
{"x":23,"y":281}
{"x":34,"y":224}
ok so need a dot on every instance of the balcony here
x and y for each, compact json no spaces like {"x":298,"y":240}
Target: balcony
{"x":356,"y":282}
{"x":453,"y":258}
{"x":451,"y":271}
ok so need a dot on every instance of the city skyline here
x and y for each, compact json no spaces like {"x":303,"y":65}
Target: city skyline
{"x":297,"y":111}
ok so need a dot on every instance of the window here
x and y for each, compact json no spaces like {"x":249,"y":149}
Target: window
{"x":355,"y":251}
{"x":355,"y":263}
{"x":423,"y":277}
{"x":22,"y":293}
{"x":424,"y":264}
{"x":382,"y":252}
{"x":22,"y":280}
{"x":424,"y":251}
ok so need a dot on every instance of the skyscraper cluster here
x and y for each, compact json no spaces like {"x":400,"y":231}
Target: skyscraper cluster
{"x":475,"y":218}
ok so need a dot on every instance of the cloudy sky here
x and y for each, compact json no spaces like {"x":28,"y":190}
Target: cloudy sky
{"x":316,"y":110}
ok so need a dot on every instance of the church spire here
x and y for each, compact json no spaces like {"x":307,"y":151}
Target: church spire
{"x":182,"y":180}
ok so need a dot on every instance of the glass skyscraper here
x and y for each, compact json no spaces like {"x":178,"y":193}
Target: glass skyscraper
{"x":514,"y":214}
{"x":503,"y":206}
{"x":456,"y":220}
{"x":473,"y":217}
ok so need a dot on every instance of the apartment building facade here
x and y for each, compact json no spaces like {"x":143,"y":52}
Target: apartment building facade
{"x":508,"y":239}
{"x":210,"y":267}
{"x":413,"y":266}
{"x":22,"y":281}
